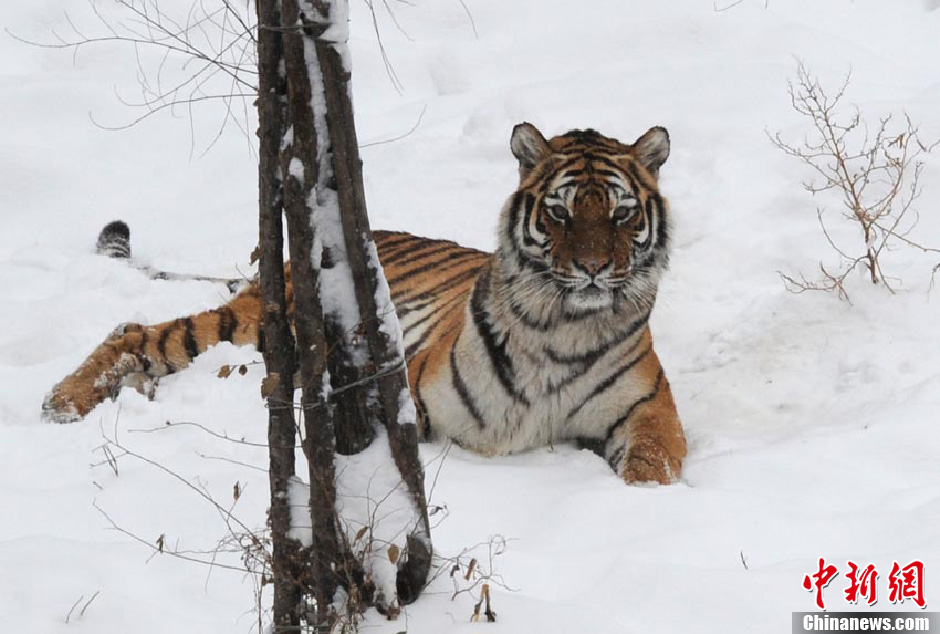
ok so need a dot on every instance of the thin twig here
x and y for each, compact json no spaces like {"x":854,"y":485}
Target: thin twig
{"x":68,"y":617}
{"x":400,"y":136}
{"x":85,"y":607}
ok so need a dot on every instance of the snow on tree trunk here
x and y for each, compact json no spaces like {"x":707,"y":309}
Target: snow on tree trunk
{"x":367,"y":539}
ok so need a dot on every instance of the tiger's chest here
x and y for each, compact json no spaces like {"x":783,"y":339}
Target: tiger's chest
{"x":498,"y":395}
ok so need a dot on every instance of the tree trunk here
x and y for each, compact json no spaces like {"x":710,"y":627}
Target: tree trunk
{"x":379,"y":322}
{"x":348,"y":341}
{"x":279,"y":351}
{"x":300,"y":165}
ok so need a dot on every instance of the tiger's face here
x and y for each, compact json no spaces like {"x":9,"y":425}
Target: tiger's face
{"x":588,"y":217}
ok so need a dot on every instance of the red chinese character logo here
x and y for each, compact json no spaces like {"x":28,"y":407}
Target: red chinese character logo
{"x":862,"y":583}
{"x":820,"y":580}
{"x":907,"y":583}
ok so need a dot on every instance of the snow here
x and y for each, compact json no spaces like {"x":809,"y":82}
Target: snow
{"x":336,"y":281}
{"x":296,"y":169}
{"x":301,"y":525}
{"x":374,"y":505}
{"x":812,"y":424}
{"x":407,"y":413}
{"x":337,"y":33}
{"x":389,"y":325}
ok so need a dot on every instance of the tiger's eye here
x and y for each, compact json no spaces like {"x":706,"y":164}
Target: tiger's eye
{"x":557,"y":213}
{"x":625,"y":211}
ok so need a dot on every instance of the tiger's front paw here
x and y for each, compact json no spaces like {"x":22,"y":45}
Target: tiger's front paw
{"x":58,"y":409}
{"x":649,"y":461}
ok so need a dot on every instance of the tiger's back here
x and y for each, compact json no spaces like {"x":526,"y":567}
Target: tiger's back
{"x":429,"y":280}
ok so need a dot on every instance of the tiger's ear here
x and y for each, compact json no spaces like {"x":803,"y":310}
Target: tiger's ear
{"x":528,"y":146}
{"x":653,"y":149}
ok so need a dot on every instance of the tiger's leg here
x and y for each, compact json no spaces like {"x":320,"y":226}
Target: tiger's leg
{"x":133,"y":353}
{"x":97,"y":378}
{"x":647,"y":444}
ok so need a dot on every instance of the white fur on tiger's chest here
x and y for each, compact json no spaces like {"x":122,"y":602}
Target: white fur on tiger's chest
{"x":536,"y":401}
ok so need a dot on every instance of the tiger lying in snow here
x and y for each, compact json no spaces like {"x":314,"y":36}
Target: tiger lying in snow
{"x":545,"y":339}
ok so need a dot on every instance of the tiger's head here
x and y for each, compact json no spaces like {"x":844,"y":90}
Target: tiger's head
{"x":587,"y":224}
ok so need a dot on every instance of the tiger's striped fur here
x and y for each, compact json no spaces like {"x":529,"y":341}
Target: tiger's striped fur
{"x":545,"y":340}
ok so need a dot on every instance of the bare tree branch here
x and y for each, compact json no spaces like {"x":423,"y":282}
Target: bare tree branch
{"x":875,"y":172}
{"x":213,"y":48}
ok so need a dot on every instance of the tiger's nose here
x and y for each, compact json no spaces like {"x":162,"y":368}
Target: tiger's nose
{"x":592,"y":265}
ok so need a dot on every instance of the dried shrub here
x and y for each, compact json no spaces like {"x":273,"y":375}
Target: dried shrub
{"x":875,"y":170}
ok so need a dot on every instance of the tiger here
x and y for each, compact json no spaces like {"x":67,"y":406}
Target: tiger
{"x":544,"y":340}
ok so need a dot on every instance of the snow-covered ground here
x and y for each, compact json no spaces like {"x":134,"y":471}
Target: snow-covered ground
{"x":813,"y":425}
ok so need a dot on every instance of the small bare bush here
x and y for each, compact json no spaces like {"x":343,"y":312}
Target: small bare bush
{"x":874,"y":170}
